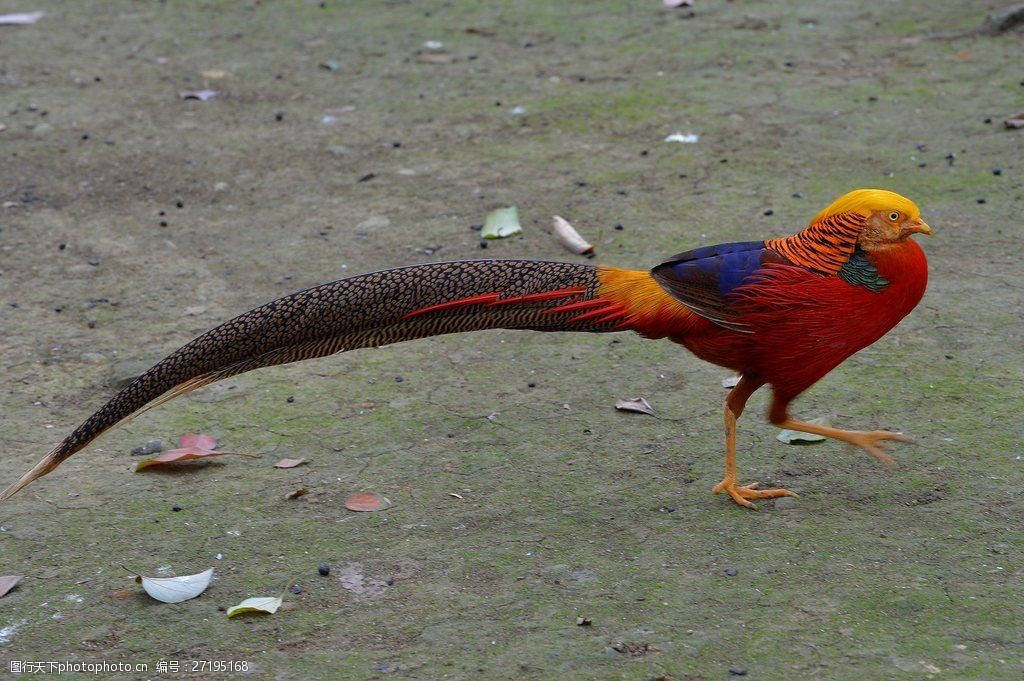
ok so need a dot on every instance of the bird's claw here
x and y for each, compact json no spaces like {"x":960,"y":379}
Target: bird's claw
{"x":870,"y":441}
{"x":742,"y":493}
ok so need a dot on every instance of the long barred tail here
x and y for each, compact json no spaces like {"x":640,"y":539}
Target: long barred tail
{"x":367,"y":310}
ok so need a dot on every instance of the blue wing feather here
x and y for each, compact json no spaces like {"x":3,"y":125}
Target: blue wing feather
{"x":704,"y":277}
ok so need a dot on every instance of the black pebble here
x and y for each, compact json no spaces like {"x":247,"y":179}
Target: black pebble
{"x":619,"y":228}
{"x":396,"y":145}
{"x":872,"y":99}
{"x":981,"y":200}
{"x":295,"y":589}
{"x":367,"y":177}
{"x":175,"y":508}
{"x":731,"y":572}
{"x":733,"y":671}
{"x":997,"y":171}
{"x":769,"y":212}
{"x":798,"y":195}
{"x":644,"y":152}
{"x":988,"y":120}
{"x":949,"y":356}
{"x":85,"y":136}
{"x":390,"y":581}
{"x":162,"y":213}
{"x":476,"y":228}
{"x":483,"y":243}
{"x":922,"y":164}
{"x":61,"y":246}
{"x":94,"y":263}
{"x":180,"y":204}
{"x":291,"y":398}
{"x":279,"y":117}
{"x":163,"y":223}
{"x":324,"y":569}
{"x":398,"y":379}
{"x":531,"y":384}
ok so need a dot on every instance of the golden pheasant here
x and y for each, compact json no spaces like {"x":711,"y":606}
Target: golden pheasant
{"x":782,"y":312}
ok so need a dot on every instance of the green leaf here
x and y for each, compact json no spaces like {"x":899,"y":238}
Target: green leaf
{"x":501,"y":223}
{"x":264,"y":604}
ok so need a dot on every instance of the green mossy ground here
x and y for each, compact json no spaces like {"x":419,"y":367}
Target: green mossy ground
{"x":565,"y":512}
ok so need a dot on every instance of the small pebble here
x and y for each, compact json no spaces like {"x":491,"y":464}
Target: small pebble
{"x":981,"y":201}
{"x":396,"y":145}
{"x":6,"y":527}
{"x":151,"y":447}
{"x":398,"y":379}
{"x":731,"y":572}
{"x":997,"y":171}
{"x":733,"y":671}
{"x":476,"y":228}
{"x":798,"y":195}
{"x":483,"y":243}
{"x":175,"y":508}
{"x":324,"y":569}
{"x":180,"y":204}
{"x":531,"y":384}
{"x":619,"y":228}
{"x":61,"y":246}
{"x":769,"y":212}
{"x":390,"y":581}
{"x":163,"y":223}
{"x":367,"y":177}
{"x":295,"y":589}
{"x":988,"y":119}
{"x":291,"y":398}
{"x":279,"y":117}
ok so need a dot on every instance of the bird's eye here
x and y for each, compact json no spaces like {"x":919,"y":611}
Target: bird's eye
{"x":894,"y":217}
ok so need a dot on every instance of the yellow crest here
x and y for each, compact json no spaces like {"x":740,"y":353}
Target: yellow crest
{"x":866,"y":201}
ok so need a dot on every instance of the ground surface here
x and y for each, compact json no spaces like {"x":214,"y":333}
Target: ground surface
{"x":134,"y":221}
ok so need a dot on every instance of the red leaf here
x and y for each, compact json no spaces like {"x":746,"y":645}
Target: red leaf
{"x":290,"y":463}
{"x":179,"y":455}
{"x":366,"y":501}
{"x":7,"y":583}
{"x":200,"y":442}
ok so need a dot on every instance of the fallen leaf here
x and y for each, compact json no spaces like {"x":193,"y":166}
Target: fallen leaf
{"x":21,"y":19}
{"x":197,"y":441}
{"x":122,"y":594}
{"x":367,"y":501}
{"x":795,"y":437}
{"x":7,"y":583}
{"x":290,"y":463}
{"x":201,"y":95}
{"x":176,"y":589}
{"x":501,"y":223}
{"x":434,"y":58}
{"x":677,"y":3}
{"x":1015,"y":121}
{"x":264,"y":604}
{"x":569,"y":237}
{"x":190,"y":447}
{"x":300,"y":492}
{"x":685,"y":139}
{"x":214,"y":74}
{"x":330,"y":65}
{"x":730,"y":381}
{"x":583,"y":622}
{"x":637,"y":404}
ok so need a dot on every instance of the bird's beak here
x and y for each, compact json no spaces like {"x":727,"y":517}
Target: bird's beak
{"x":920,"y":227}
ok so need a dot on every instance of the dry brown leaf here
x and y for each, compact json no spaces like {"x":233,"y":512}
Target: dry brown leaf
{"x":434,"y":58}
{"x":300,"y":492}
{"x":1015,"y":121}
{"x":569,"y":237}
{"x":367,"y":501}
{"x":290,"y":463}
{"x":7,"y":583}
{"x":637,"y":404}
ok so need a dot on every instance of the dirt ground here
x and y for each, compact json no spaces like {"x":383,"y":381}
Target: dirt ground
{"x":340,"y":143}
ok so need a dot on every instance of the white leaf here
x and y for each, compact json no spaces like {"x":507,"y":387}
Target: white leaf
{"x":637,"y":404}
{"x":267,"y":604}
{"x":680,"y":137}
{"x":176,"y":589}
{"x":569,"y":237}
{"x":21,"y":19}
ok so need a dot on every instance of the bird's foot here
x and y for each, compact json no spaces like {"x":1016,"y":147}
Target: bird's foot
{"x":871,"y":442}
{"x":742,"y":493}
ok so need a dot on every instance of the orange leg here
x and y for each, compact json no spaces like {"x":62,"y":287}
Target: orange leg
{"x":734,"y":405}
{"x":867,"y":440}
